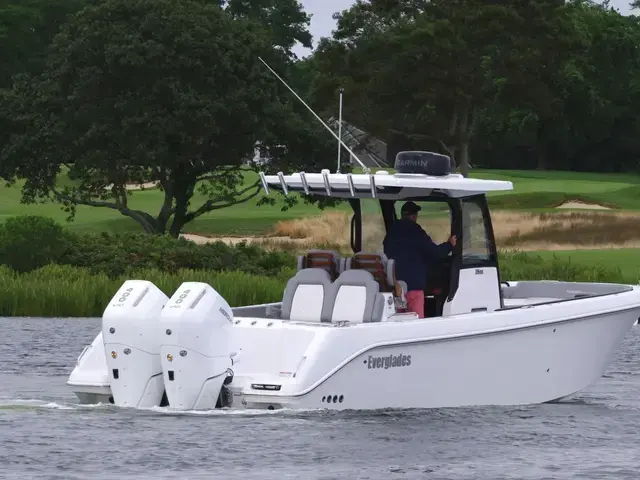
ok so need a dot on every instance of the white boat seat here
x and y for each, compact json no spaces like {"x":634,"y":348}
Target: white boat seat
{"x":329,"y":260}
{"x":356,"y":298}
{"x":305,"y":297}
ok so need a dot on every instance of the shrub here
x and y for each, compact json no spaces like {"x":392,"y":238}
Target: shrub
{"x":118,"y":254}
{"x":30,"y":242}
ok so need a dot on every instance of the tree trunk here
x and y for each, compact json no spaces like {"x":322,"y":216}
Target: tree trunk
{"x":541,"y":148}
{"x":167,"y":207}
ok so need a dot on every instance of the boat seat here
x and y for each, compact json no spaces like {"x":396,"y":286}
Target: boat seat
{"x":305,"y":296}
{"x":355,"y":297}
{"x":381,"y":267}
{"x":328,"y":260}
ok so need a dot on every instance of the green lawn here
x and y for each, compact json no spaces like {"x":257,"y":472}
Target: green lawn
{"x":533,"y":190}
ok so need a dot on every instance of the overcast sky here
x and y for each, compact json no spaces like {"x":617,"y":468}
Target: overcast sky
{"x":322,"y":23}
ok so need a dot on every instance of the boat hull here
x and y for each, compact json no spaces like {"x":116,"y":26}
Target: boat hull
{"x":417,"y":367}
{"x":518,"y":367}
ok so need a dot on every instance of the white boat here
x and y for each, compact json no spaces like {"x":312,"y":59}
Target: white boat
{"x":338,"y":339}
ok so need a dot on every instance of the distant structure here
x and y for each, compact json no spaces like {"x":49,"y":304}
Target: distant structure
{"x":370,"y":150}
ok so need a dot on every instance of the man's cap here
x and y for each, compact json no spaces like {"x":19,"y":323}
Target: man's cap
{"x":410,"y":208}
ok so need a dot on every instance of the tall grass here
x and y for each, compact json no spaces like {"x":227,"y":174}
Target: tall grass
{"x":520,"y":230}
{"x":63,"y":291}
{"x":527,"y":266}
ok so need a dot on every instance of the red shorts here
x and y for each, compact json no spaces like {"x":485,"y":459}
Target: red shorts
{"x":415,"y":302}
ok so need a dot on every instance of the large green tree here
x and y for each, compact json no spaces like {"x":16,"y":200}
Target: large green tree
{"x":420,"y":69}
{"x":26,"y":30}
{"x":285,"y":20}
{"x":154,"y":90}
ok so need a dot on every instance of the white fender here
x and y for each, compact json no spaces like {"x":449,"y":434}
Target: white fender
{"x":196,"y":329}
{"x":132,"y":346}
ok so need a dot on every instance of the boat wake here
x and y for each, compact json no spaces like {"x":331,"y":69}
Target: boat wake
{"x":18,"y":404}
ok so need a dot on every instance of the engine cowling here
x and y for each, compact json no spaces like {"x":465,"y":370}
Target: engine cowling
{"x":132,"y":344}
{"x":195,"y":347}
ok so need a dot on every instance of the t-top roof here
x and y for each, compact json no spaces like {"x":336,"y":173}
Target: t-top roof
{"x":382,"y":184}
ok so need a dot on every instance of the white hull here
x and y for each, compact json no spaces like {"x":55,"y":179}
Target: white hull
{"x":527,"y":355}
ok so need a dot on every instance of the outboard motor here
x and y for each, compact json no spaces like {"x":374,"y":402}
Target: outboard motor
{"x":195,"y":346}
{"x":132,"y":344}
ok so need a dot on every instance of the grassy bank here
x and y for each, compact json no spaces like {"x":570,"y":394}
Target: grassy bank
{"x":532,"y":191}
{"x":65,"y":291}
{"x":62,"y":291}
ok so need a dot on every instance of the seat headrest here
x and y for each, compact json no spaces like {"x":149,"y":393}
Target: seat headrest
{"x":312,"y":275}
{"x":355,"y":277}
{"x":375,"y":263}
{"x":328,"y":260}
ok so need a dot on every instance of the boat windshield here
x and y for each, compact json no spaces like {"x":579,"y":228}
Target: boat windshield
{"x":434,"y":217}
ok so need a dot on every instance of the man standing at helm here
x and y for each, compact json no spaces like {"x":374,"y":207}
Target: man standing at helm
{"x":412,"y":249}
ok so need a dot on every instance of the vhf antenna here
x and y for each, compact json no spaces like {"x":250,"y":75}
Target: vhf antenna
{"x":364,"y":167}
{"x":340,"y":128}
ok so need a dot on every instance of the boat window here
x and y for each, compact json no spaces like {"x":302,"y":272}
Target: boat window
{"x":475,"y":245}
{"x":435,"y":218}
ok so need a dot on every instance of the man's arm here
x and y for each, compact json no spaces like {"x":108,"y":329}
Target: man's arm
{"x":432,"y":250}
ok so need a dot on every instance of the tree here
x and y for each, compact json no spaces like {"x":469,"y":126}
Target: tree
{"x":572,"y":104}
{"x":427,"y":64}
{"x":285,"y":20}
{"x":153,"y":90}
{"x":26,"y":30}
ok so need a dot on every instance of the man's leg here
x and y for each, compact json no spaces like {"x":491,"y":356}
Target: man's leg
{"x":415,"y":302}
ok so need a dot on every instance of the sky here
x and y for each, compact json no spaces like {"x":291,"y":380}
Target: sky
{"x":322,"y":24}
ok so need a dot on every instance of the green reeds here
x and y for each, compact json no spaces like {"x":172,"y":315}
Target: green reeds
{"x":63,"y":291}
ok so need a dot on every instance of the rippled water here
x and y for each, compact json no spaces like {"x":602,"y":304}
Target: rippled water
{"x":45,"y":434}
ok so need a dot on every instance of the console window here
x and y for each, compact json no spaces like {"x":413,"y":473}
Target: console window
{"x":476,"y":246}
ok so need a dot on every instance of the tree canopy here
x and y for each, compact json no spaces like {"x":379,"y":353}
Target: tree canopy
{"x":96,"y":94}
{"x":511,"y":84}
{"x":169,"y":91}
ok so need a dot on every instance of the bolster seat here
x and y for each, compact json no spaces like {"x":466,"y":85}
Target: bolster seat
{"x":355,"y":297}
{"x":305,"y":297}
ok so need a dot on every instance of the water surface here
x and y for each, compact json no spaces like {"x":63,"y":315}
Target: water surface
{"x":44,"y":434}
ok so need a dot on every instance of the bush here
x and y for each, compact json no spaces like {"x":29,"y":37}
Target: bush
{"x":64,"y":291}
{"x":30,"y":242}
{"x":118,"y":254}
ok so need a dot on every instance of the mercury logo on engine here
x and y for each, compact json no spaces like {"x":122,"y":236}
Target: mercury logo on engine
{"x":225,"y":314}
{"x":390,"y":361}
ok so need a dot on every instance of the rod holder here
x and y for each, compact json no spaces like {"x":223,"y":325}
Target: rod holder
{"x":305,"y":185}
{"x":283,"y":183}
{"x":352,"y":188}
{"x":372,"y":181}
{"x":327,"y":185}
{"x":265,"y":185}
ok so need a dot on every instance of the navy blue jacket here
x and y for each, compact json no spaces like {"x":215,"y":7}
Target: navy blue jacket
{"x":412,"y":249}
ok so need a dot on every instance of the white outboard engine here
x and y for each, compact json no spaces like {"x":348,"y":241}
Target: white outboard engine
{"x":195,"y":346}
{"x":132,"y":344}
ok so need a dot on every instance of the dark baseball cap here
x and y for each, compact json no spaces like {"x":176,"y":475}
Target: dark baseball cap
{"x":410,"y":208}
